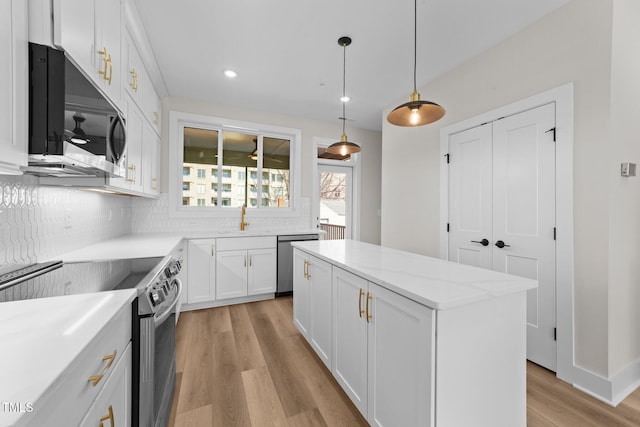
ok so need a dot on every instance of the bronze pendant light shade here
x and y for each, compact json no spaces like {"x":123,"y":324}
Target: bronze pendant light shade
{"x":415,"y":112}
{"x":343,"y":147}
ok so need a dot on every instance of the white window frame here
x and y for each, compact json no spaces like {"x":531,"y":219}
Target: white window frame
{"x":354,"y":164}
{"x":178,"y":120}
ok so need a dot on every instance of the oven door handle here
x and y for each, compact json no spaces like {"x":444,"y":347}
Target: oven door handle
{"x":160,"y":319}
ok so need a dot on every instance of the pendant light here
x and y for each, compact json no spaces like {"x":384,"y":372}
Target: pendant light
{"x":343,"y":147}
{"x":415,"y":112}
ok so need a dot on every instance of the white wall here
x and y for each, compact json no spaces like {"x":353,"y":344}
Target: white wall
{"x":369,"y":141}
{"x":572,"y":44}
{"x":624,"y":202}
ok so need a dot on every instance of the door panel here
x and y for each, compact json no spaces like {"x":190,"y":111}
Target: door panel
{"x":470,"y":187}
{"x":502,"y":188}
{"x":524,"y":218}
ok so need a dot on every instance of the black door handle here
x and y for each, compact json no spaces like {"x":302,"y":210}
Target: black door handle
{"x":501,"y":244}
{"x":483,"y":242}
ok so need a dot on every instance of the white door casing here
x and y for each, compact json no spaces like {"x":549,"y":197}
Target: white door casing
{"x":502,"y":211}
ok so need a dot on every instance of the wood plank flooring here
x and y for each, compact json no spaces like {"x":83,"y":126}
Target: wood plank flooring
{"x":247,"y":365}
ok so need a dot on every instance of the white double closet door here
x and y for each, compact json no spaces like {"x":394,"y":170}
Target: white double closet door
{"x":502,"y":211}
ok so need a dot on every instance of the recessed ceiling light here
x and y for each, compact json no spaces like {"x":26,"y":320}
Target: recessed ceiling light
{"x":230,"y":73}
{"x":344,"y":98}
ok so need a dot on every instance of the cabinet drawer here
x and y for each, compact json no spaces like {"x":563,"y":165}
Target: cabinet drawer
{"x":243,"y":243}
{"x":72,"y":394}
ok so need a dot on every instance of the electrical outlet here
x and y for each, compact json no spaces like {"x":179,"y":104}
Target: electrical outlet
{"x":67,"y":218}
{"x":628,"y":169}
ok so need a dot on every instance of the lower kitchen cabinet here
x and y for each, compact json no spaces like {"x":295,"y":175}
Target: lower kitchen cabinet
{"x":312,"y":302}
{"x":201,"y":271}
{"x":113,"y":405}
{"x":382,"y":354}
{"x":245,"y":266}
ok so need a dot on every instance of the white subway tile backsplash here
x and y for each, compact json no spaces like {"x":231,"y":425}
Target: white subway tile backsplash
{"x":152,"y":215}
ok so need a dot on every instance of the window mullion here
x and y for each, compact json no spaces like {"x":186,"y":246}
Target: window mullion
{"x":219,"y":172}
{"x":259,"y":177}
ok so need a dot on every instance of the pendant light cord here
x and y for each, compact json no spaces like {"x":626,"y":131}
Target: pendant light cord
{"x":415,"y":41}
{"x":344,"y":84}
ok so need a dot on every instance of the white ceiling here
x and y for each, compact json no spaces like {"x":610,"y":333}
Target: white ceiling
{"x":288,"y":59}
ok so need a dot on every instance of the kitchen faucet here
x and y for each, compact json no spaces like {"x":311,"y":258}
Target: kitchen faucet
{"x":243,"y":224}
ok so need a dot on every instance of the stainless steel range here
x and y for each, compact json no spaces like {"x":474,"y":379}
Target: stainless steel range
{"x":154,"y":313}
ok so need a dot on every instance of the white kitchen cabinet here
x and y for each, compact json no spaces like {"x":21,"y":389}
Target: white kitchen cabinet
{"x":113,"y":405}
{"x":401,"y":358}
{"x":108,"y":59}
{"x":350,"y":336}
{"x":150,"y":160}
{"x":231,"y":274}
{"x":89,"y":31}
{"x":312,"y":302}
{"x":74,"y":31}
{"x":13,"y":86}
{"x":201,"y":271}
{"x":101,"y":372}
{"x":152,"y":106}
{"x":133,"y":69}
{"x":245,"y":266}
{"x":383,"y":352}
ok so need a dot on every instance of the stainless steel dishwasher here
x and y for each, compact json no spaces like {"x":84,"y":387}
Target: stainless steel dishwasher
{"x":285,"y":261}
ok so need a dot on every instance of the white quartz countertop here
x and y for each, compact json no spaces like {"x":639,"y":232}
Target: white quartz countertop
{"x":433,"y":282}
{"x":147,"y":245}
{"x":41,"y":337}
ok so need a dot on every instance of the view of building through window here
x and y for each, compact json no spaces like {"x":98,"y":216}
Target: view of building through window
{"x":253,"y":170}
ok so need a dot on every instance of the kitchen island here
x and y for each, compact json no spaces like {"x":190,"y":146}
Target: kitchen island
{"x":415,"y":340}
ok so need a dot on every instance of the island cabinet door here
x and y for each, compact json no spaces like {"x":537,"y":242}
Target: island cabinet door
{"x":350,"y":336}
{"x":319,"y":275}
{"x":401,"y":360}
{"x":301,"y":287}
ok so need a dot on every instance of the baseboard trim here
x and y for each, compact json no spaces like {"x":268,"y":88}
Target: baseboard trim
{"x":220,"y":303}
{"x":611,"y":391}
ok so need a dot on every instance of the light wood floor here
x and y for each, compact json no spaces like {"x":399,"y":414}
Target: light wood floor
{"x":247,"y":365}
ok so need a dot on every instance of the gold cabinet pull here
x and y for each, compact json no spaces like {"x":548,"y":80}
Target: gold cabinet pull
{"x":308,"y":274}
{"x":132,"y":168}
{"x":360,"y":310}
{"x":245,"y":260}
{"x":369,"y":298}
{"x":95,"y":379}
{"x":155,"y":117}
{"x":250,"y":261}
{"x":105,"y":62}
{"x":134,"y":81}
{"x":304,"y":270}
{"x":109,"y":417}
{"x":108,"y":79}
{"x":154,"y":185}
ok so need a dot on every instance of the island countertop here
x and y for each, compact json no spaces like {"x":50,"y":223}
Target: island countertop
{"x":433,"y":282}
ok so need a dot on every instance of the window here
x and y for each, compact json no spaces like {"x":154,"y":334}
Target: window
{"x":201,"y":202}
{"x":185,"y":201}
{"x":233,"y":163}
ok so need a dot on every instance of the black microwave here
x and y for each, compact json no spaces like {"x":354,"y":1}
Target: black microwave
{"x":74,"y":130}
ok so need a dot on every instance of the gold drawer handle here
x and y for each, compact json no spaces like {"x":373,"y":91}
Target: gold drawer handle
{"x":360,"y":310}
{"x":105,"y":61}
{"x":155,"y":117}
{"x":95,"y":379}
{"x":109,"y":417}
{"x":154,"y":185}
{"x":369,"y":298}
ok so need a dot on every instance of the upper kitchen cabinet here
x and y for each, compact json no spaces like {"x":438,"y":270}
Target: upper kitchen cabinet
{"x":13,"y":86}
{"x":138,"y":82}
{"x":90,"y":34}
